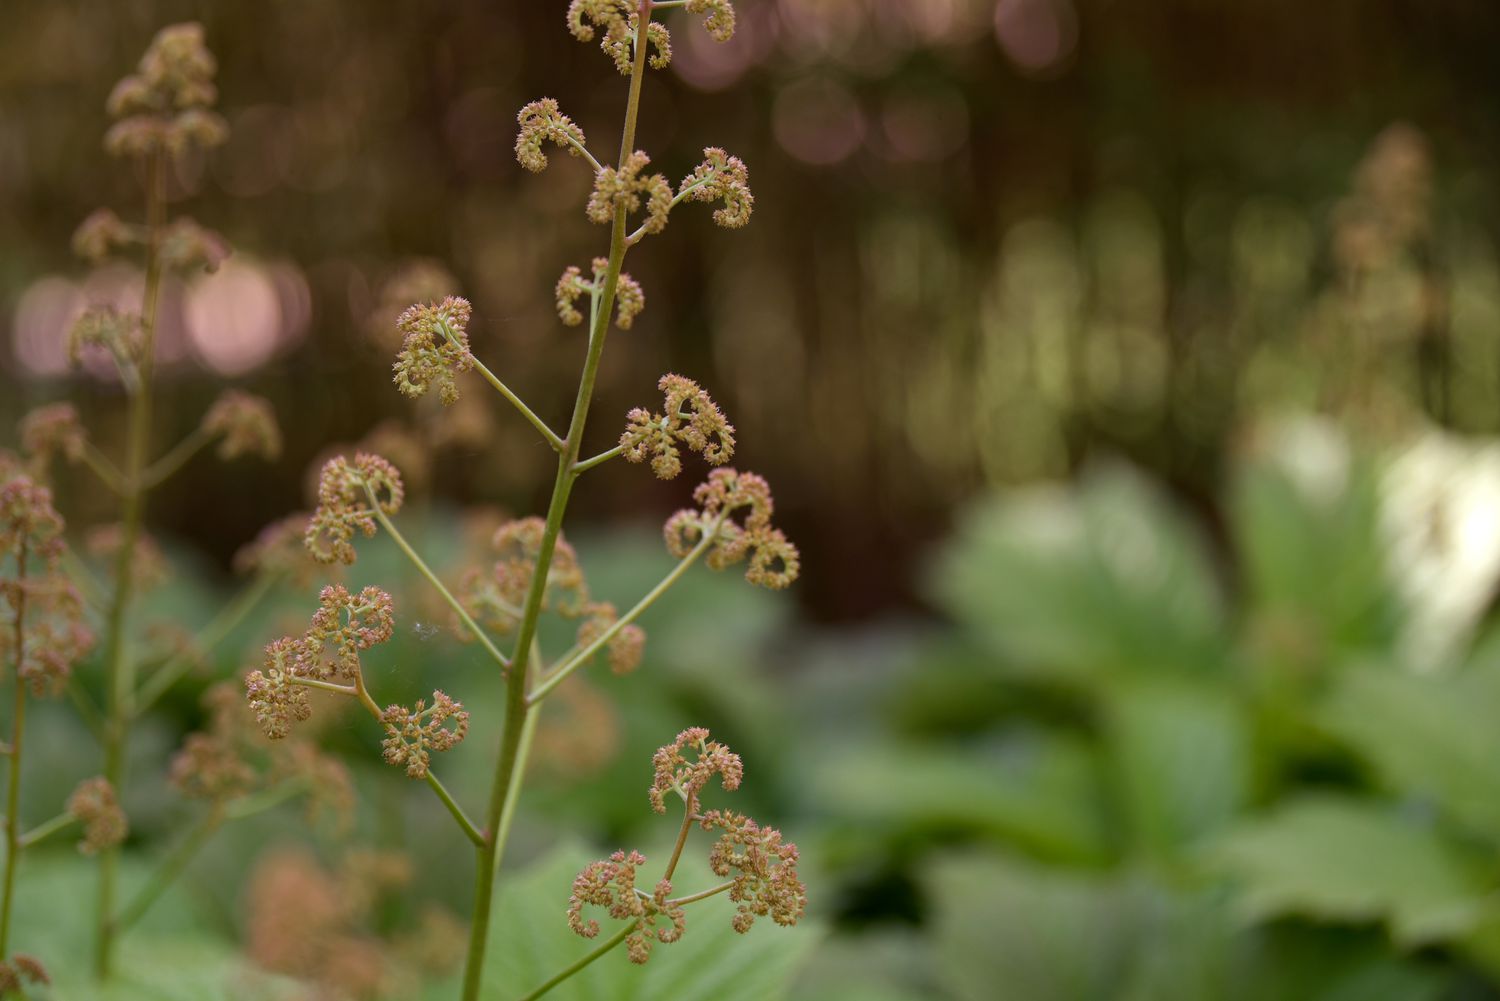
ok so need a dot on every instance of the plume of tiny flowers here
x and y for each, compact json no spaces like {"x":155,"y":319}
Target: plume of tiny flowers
{"x":19,"y":970}
{"x":186,"y":246}
{"x":94,"y":805}
{"x":674,"y":772}
{"x":689,"y":417}
{"x":411,"y":735}
{"x":435,"y":348}
{"x":630,"y":299}
{"x":624,"y":188}
{"x":764,"y":868}
{"x":164,"y":106}
{"x":101,"y":234}
{"x":102,"y":329}
{"x":344,"y":626}
{"x":54,"y":429}
{"x":618,"y":21}
{"x":246,"y":424}
{"x":774,"y":561}
{"x":34,"y":592}
{"x":610,"y":884}
{"x":721,"y":177}
{"x":344,"y":489}
{"x":624,"y":648}
{"x":541,"y":121}
{"x":274,"y":695}
{"x":719,"y":17}
{"x":496,"y":597}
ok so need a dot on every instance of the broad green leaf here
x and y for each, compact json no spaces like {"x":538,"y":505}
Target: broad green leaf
{"x":1108,"y":577}
{"x":1430,"y":737}
{"x":1341,"y":859}
{"x":530,"y":941}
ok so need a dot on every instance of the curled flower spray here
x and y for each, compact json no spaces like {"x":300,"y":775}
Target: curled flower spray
{"x":349,"y":495}
{"x":774,"y":561}
{"x":435,"y":348}
{"x":688,"y":418}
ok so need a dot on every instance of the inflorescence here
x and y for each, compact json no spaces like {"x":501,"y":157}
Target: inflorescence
{"x":774,"y":561}
{"x":349,"y":494}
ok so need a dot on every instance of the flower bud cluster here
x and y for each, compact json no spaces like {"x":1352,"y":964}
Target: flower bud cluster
{"x":101,"y":234}
{"x":774,"y":561}
{"x":53,"y":429}
{"x":718,"y":17}
{"x":498,"y":595}
{"x":435,"y":348}
{"x":721,"y":177}
{"x":610,"y":884}
{"x":101,"y":328}
{"x":674,"y":772}
{"x":541,"y":121}
{"x":186,"y":246}
{"x":34,"y":592}
{"x":623,"y":188}
{"x":618,"y":22}
{"x":764,"y":868}
{"x":689,"y":417}
{"x":164,"y":106}
{"x":19,"y":970}
{"x":411,"y":735}
{"x":630,"y":299}
{"x":94,"y":805}
{"x":246,"y":423}
{"x":345,"y":491}
{"x":625,"y":648}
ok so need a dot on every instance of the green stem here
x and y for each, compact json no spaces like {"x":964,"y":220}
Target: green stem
{"x":693,"y":898}
{"x":170,"y":869}
{"x":46,"y":830}
{"x":328,"y":686}
{"x":99,"y":463}
{"x":457,"y":811}
{"x":87,"y":710}
{"x":508,"y":813}
{"x":160,"y":470}
{"x":580,"y":468}
{"x":640,"y":233}
{"x":517,"y":708}
{"x":432,"y":579}
{"x":249,"y":806}
{"x":688,"y":809}
{"x":583,"y":656}
{"x":210,"y":636}
{"x":505,"y":391}
{"x":583,"y":151}
{"x":13,"y":806}
{"x":120,"y":672}
{"x":575,"y":967}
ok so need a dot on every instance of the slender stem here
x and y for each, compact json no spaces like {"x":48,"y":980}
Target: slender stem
{"x":666,"y":4}
{"x":159,"y":471}
{"x":459,"y":815}
{"x":580,"y":468}
{"x":583,"y":151}
{"x":689,"y":808}
{"x":99,"y":463}
{"x":603,"y":949}
{"x":13,"y":788}
{"x":210,"y":636}
{"x":640,"y":233}
{"x":87,"y":710}
{"x":120,"y":670}
{"x":328,"y":686}
{"x":432,"y":579}
{"x":170,"y":869}
{"x":41,"y":831}
{"x":505,"y":391}
{"x":517,"y":708}
{"x":583,"y":656}
{"x":693,"y":898}
{"x":508,"y":813}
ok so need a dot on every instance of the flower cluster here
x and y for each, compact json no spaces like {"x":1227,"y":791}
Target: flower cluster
{"x":435,"y":348}
{"x":164,"y":105}
{"x":39,"y":607}
{"x":673,"y":772}
{"x":412,"y":734}
{"x":630,"y":299}
{"x":21,"y":969}
{"x":54,"y":429}
{"x":101,"y":233}
{"x":690,"y":417}
{"x":186,"y":246}
{"x":346,"y":492}
{"x":764,"y":868}
{"x":101,"y":329}
{"x":610,"y":884}
{"x":718,"y":17}
{"x":625,"y":648}
{"x":246,"y":423}
{"x":774,"y":561}
{"x":623,"y":188}
{"x":94,"y":805}
{"x":721,"y":177}
{"x":617,"y":20}
{"x":541,"y":121}
{"x":497,"y":596}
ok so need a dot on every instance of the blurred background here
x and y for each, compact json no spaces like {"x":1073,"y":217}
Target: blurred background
{"x":1127,"y":375}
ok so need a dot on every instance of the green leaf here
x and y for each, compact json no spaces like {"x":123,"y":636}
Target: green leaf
{"x":1341,"y":859}
{"x":530,"y":941}
{"x":1106,"y":578}
{"x":1430,"y":737}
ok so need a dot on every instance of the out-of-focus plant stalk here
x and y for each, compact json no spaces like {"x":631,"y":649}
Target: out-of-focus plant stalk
{"x":13,"y":790}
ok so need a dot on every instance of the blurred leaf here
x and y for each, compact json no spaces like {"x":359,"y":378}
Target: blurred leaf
{"x":529,"y":942}
{"x":1432,"y":737}
{"x":1108,"y":577}
{"x":1040,"y":792}
{"x":1342,"y":859}
{"x":1182,"y":756}
{"x":886,"y":965}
